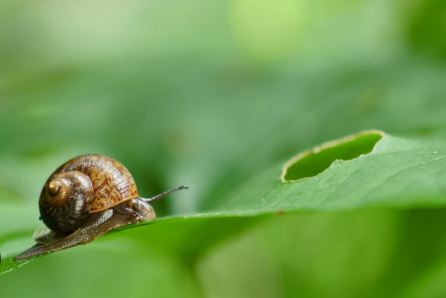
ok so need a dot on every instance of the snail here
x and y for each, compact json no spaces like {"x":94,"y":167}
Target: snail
{"x":85,"y":198}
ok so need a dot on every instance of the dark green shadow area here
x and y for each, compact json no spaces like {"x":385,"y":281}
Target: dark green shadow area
{"x":316,"y":160}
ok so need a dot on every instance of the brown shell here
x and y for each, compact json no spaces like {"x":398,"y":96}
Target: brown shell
{"x":112,"y":182}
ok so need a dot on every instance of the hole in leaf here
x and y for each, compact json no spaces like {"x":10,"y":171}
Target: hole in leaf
{"x":312,"y":162}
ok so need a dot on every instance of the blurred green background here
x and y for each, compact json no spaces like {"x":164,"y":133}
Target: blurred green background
{"x":208,"y":94}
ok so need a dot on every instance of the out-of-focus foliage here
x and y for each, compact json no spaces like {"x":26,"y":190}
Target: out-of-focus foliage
{"x":218,"y":95}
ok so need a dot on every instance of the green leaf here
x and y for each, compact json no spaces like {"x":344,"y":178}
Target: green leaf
{"x":381,"y":170}
{"x":202,"y":95}
{"x":398,"y":172}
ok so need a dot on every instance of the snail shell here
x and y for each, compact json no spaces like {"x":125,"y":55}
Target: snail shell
{"x":81,"y":186}
{"x":85,"y":198}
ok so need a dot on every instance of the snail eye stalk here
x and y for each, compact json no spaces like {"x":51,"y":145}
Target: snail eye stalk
{"x":164,"y":194}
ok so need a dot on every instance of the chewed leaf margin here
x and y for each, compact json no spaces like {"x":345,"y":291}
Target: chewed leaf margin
{"x":314,"y":161}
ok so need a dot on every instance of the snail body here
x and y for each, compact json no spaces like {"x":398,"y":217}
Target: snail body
{"x":86,"y":197}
